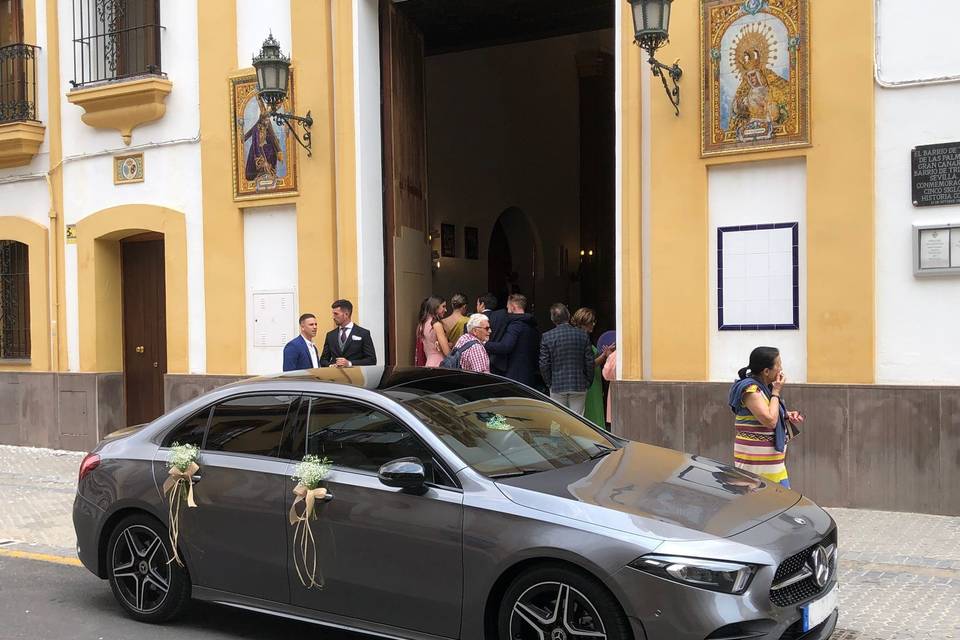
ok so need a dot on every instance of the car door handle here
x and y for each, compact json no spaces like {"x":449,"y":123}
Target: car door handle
{"x":197,"y":478}
{"x":328,"y":497}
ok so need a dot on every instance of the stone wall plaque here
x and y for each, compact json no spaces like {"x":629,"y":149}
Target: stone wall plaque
{"x":935,"y":174}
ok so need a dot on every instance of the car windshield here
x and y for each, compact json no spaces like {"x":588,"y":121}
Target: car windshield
{"x":504,"y":429}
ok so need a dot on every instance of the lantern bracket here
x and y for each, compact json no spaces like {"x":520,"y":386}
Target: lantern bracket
{"x":282,"y":118}
{"x":675,"y":72}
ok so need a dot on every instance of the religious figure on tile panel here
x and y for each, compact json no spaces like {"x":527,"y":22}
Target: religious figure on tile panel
{"x":264,"y":159}
{"x":756,"y":62}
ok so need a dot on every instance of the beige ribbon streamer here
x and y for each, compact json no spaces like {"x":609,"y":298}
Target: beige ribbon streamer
{"x":304,"y":544}
{"x":174,"y":487}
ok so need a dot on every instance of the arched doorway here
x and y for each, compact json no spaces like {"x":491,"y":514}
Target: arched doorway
{"x":513,"y":256}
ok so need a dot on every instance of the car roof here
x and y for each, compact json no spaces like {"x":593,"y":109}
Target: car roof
{"x":415,"y":380}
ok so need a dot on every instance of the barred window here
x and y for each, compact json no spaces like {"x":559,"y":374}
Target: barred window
{"x":14,"y":301}
{"x":115,"y":40}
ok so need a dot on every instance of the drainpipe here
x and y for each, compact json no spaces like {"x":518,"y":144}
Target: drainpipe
{"x":54,"y":281}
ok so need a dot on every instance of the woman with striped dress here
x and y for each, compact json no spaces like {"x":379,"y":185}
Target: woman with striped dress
{"x":761,"y":416}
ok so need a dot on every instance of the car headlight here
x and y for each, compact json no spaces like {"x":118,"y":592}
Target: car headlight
{"x":728,"y":577}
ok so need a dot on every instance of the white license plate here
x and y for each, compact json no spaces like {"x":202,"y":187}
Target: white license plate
{"x":814,"y":613}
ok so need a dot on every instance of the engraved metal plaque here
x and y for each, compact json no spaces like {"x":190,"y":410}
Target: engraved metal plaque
{"x":935,"y":174}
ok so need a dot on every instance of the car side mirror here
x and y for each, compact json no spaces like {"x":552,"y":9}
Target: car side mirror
{"x":403,"y":473}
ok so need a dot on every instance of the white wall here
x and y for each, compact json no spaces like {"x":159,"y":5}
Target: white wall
{"x":270,"y":265}
{"x":171,"y":165}
{"x":757,"y":193}
{"x":256,"y":19}
{"x":917,"y":338}
{"x":916,"y":39}
{"x":370,"y":251}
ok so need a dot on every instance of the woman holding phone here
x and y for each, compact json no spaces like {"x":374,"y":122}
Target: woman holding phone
{"x":762,"y":417}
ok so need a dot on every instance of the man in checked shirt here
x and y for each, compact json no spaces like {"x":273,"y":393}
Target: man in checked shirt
{"x":475,"y":358}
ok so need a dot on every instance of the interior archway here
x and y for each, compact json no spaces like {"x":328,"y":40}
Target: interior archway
{"x":514,"y":257}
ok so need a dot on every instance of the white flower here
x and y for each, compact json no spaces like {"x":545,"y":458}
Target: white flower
{"x":312,"y":471}
{"x":182,"y":455}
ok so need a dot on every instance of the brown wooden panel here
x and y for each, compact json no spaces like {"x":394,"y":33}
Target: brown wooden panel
{"x":650,"y":412}
{"x":144,"y":328}
{"x":817,"y":459}
{"x":949,"y":489}
{"x":404,"y":147}
{"x":894,"y":441}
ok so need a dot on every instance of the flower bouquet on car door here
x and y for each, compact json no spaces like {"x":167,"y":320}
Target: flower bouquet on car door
{"x":308,"y":475}
{"x":178,"y":487}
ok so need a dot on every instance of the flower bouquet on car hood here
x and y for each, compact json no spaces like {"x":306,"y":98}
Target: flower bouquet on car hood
{"x":308,"y":475}
{"x":178,"y":487}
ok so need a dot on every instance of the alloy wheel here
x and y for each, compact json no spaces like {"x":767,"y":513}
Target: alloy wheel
{"x":141,"y":569}
{"x":554,"y":611}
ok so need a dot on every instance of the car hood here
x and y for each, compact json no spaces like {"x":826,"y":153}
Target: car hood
{"x":654,"y":492}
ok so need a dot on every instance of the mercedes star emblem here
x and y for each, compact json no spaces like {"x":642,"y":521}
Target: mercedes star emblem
{"x":800,"y":521}
{"x":820,"y":564}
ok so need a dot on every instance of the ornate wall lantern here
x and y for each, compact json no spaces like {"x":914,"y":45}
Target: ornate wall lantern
{"x":651,"y":29}
{"x":273,"y":82}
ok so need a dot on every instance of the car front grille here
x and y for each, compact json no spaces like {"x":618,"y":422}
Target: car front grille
{"x":796,"y":573}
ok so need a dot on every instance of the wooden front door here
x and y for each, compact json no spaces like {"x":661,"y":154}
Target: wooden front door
{"x":144,"y":326}
{"x":408,"y":276}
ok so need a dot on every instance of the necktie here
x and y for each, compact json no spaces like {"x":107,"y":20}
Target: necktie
{"x":343,"y":337}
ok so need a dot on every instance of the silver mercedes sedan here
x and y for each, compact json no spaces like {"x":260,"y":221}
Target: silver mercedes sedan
{"x":458,"y":506}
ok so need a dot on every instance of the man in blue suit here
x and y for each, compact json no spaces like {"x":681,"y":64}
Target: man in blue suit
{"x":301,"y":353}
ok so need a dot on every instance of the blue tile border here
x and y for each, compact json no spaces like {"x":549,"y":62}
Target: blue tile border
{"x":795,"y":226}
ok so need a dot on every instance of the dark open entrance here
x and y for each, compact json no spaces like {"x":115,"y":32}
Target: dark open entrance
{"x":144,"y":325}
{"x":498,"y":122}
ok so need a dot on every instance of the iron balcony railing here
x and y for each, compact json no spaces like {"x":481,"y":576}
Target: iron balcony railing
{"x":115,"y":40}
{"x":18,"y":82}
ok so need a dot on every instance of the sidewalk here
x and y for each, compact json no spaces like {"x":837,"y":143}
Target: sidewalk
{"x":899,"y":572}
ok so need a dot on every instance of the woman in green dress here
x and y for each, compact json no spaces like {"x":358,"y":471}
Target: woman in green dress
{"x":585,"y":319}
{"x":455,"y":324}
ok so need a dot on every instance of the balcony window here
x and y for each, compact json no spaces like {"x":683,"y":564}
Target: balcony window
{"x":18,"y":67}
{"x":14,"y":301}
{"x":115,"y":40}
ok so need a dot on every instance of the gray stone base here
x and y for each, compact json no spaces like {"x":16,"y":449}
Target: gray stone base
{"x":60,"y":410}
{"x":893,"y":448}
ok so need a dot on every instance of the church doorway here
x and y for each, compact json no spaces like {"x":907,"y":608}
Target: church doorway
{"x":499,"y":156}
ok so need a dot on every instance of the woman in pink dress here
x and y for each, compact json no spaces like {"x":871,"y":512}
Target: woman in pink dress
{"x":430,"y":330}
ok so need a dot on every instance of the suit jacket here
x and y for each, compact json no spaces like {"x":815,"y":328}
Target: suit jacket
{"x":499,"y":319}
{"x":521,"y":347}
{"x":566,"y":359}
{"x":358,"y":349}
{"x":296,"y":356}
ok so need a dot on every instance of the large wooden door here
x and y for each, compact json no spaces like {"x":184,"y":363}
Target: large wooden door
{"x":144,"y":326}
{"x":405,"y":221}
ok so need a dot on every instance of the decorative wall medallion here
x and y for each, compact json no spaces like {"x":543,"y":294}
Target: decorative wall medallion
{"x":128,"y":169}
{"x":755,"y":58}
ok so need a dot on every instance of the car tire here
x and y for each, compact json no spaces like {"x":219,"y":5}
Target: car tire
{"x":529,"y":608}
{"x":144,"y":581}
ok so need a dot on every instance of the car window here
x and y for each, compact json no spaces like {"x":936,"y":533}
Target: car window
{"x":356,"y":436}
{"x":505,"y":430}
{"x":190,"y":431}
{"x":249,"y":424}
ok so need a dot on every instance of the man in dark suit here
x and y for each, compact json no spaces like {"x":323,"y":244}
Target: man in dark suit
{"x":301,"y":353}
{"x":349,"y":345}
{"x":520,"y":346}
{"x":487,"y":305}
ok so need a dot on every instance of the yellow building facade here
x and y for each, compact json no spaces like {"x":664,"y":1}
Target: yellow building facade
{"x":117,"y":167}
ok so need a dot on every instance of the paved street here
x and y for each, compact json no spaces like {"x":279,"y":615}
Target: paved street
{"x":900,"y":573}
